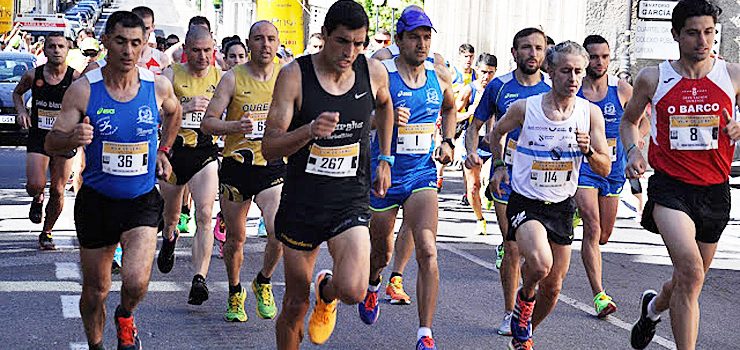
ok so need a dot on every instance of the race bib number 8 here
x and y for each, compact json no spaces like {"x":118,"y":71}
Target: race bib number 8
{"x":47,"y":118}
{"x":339,"y":161}
{"x":125,"y":159}
{"x":694,"y":132}
{"x":509,"y":152}
{"x":551,"y":174}
{"x":415,"y":138}
{"x":191,"y":120}
{"x":258,"y":125}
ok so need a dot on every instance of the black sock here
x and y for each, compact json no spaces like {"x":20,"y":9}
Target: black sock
{"x":375,"y":283}
{"x":98,"y":346}
{"x":185,"y":210}
{"x":321,"y":287}
{"x":394,"y":274}
{"x":261,"y":279}
{"x":199,"y":277}
{"x":524,"y":298}
{"x":235,"y":289}
{"x":121,"y":312}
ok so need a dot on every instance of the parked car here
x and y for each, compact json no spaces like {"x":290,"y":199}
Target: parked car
{"x":12,"y":67}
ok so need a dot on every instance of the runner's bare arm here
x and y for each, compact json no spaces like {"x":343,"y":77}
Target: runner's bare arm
{"x":462,"y":101}
{"x":624,"y":90}
{"x":70,"y":130}
{"x":642,"y":94}
{"x":445,"y":152}
{"x":278,"y":141}
{"x":90,"y":66}
{"x":212,"y":123}
{"x":600,"y":161}
{"x":169,"y":74}
{"x":171,"y":117}
{"x":383,"y":120}
{"x":382,"y":54}
{"x":76,"y":75}
{"x":25,"y":84}
{"x":471,"y":136}
{"x":512,"y":119}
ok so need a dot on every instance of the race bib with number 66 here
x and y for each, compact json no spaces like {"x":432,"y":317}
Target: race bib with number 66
{"x":192,"y":120}
{"x":125,"y":159}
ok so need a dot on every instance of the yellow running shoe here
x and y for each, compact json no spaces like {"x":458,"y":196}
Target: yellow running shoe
{"x":266,"y":308}
{"x":481,"y":227}
{"x":235,"y":308}
{"x":324,"y":316}
{"x":394,"y":292}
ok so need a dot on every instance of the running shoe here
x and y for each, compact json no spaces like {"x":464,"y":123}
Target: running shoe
{"x":182,"y":226}
{"x":117,"y":256}
{"x":394,"y":292}
{"x":219,"y":234}
{"x":128,"y":336}
{"x":324,"y":316}
{"x":166,"y":257}
{"x":521,"y":319}
{"x":644,"y":329}
{"x":46,"y":242}
{"x":35,"y":214}
{"x":369,"y":309}
{"x":235,"y":307}
{"x":266,"y":308}
{"x":516,"y":344}
{"x":576,"y":218}
{"x":464,"y":200}
{"x":505,"y":327}
{"x":440,"y":180}
{"x":604,"y":305}
{"x":425,"y":343}
{"x":499,"y":255}
{"x":480,"y":228}
{"x":198,"y":291}
{"x":262,"y":229}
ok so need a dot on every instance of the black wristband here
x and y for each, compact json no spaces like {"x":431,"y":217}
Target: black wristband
{"x":449,"y":142}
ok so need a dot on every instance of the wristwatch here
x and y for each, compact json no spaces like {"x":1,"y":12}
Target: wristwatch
{"x":388,"y":159}
{"x":590,"y":152}
{"x":450,"y":142}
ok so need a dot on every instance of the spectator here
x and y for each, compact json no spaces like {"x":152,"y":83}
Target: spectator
{"x":315,"y":44}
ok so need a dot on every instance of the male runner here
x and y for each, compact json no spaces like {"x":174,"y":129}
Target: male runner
{"x":320,"y":119}
{"x":245,"y":92}
{"x":528,"y":50}
{"x":118,"y":201}
{"x":464,"y":73}
{"x":151,"y":58}
{"x":194,"y":160}
{"x":691,"y":146}
{"x":48,"y":83}
{"x":420,"y":90}
{"x":597,"y":197}
{"x":558,"y":130}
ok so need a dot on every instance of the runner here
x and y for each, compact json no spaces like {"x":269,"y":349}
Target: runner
{"x":151,"y":58}
{"x":47,"y":83}
{"x":420,"y":90}
{"x":597,"y":197}
{"x":315,"y":44}
{"x":320,"y":119}
{"x":236,"y":54}
{"x":558,"y":130}
{"x":464,"y":73}
{"x":245,"y":93}
{"x":528,"y":50}
{"x":194,"y":160}
{"x":692,"y":139}
{"x":120,"y":104}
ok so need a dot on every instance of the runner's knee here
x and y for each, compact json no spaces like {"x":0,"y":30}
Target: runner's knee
{"x":295,"y":307}
{"x":689,"y":278}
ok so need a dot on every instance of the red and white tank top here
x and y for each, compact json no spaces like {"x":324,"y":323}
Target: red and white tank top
{"x":153,"y":60}
{"x":687,"y":142}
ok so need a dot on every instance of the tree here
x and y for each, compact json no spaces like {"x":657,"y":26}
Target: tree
{"x":384,"y":17}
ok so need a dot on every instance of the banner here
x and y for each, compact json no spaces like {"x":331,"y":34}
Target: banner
{"x":6,"y":15}
{"x":287,"y":16}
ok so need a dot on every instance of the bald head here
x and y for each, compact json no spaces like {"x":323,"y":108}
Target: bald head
{"x":196,"y":33}
{"x":263,"y":27}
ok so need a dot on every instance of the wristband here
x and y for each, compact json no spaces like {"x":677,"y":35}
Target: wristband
{"x":630,"y":149}
{"x":498,"y":163}
{"x":589,"y":153}
{"x":449,"y":142}
{"x":388,"y":159}
{"x":166,"y":150}
{"x":310,"y":130}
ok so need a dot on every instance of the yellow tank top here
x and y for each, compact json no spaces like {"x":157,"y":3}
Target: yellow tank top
{"x":253,"y":96}
{"x":186,"y":87}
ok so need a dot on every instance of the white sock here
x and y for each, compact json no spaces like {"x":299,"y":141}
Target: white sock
{"x":651,"y":313}
{"x":372,"y":288}
{"x":423,"y":332}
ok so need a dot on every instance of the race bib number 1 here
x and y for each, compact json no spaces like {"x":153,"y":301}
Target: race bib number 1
{"x":509,"y":152}
{"x":192,"y":120}
{"x":339,"y":161}
{"x":47,"y":118}
{"x":551,"y":174}
{"x":415,"y":138}
{"x":694,"y":132}
{"x":258,"y":126}
{"x":125,"y":159}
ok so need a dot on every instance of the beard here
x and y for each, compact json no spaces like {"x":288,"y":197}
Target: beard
{"x":593,"y":74}
{"x":528,"y":71}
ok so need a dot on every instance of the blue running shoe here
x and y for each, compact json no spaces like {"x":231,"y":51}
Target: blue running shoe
{"x":425,"y":343}
{"x":370,"y":308}
{"x":521,"y":319}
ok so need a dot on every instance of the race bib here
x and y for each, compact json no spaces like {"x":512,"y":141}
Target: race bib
{"x":509,"y":151}
{"x":415,"y":138}
{"x":191,"y":120}
{"x":339,"y":161}
{"x":694,"y":132}
{"x":258,"y":125}
{"x":47,"y":118}
{"x":612,"y":144}
{"x":551,"y":173}
{"x":125,"y":159}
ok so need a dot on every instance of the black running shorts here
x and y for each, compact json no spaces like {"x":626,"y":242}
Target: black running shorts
{"x":36,"y":139}
{"x":707,"y":206}
{"x":308,"y":235}
{"x":241,"y":182}
{"x":186,"y":162}
{"x":556,"y":217}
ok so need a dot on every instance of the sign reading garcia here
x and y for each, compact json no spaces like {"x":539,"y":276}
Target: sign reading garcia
{"x":653,"y":40}
{"x":656,"y":9}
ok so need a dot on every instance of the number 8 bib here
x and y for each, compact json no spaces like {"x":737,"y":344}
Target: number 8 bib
{"x":125,"y":159}
{"x":694,"y":132}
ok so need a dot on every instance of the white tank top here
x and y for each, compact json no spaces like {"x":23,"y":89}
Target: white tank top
{"x":547,"y":158}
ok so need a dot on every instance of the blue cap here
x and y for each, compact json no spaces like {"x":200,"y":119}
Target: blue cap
{"x":411,"y":20}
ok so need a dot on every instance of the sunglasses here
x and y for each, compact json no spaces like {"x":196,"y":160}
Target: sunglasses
{"x":380,"y":41}
{"x":90,"y":53}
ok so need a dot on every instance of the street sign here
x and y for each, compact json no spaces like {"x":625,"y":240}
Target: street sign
{"x":653,"y":40}
{"x":655,"y":9}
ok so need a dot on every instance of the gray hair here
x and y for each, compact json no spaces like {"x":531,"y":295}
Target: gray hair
{"x":566,"y":47}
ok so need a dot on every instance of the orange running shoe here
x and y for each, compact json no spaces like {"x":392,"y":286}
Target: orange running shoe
{"x":394,"y":292}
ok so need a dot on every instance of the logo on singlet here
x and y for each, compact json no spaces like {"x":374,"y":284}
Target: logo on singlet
{"x":610,"y":109}
{"x":432,"y":96}
{"x":104,"y":127}
{"x":145,"y":116}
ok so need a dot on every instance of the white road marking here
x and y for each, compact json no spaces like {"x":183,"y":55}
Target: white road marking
{"x":76,"y":287}
{"x":67,"y":271}
{"x":70,"y":306}
{"x":78,"y":346}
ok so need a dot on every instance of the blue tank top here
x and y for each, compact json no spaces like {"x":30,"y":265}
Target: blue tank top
{"x":121,"y":160}
{"x":612,"y":109}
{"x":412,"y":145}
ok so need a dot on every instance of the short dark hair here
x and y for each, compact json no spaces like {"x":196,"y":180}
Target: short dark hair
{"x":198,"y":20}
{"x":126,"y":19}
{"x":143,"y":11}
{"x":594,"y":39}
{"x":525,"y":33}
{"x":55,"y":35}
{"x":693,"y":8}
{"x":487,"y":59}
{"x":346,"y":13}
{"x":466,"y":48}
{"x":549,"y":40}
{"x":232,"y":43}
{"x":173,"y":36}
{"x":88,"y":31}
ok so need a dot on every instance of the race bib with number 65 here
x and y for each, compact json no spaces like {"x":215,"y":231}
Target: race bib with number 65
{"x":258,"y":125}
{"x":125,"y":159}
{"x":338,"y":161}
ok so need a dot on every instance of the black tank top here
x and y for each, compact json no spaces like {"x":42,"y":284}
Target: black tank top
{"x":47,"y":99}
{"x":333,"y":172}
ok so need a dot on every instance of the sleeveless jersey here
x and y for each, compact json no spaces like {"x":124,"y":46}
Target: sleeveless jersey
{"x":120,"y":161}
{"x":413,"y":144}
{"x":186,"y":87}
{"x":687,"y":142}
{"x":612,"y":109}
{"x":547,"y":158}
{"x":254,"y":96}
{"x":47,"y":100}
{"x":462,"y":78}
{"x":499,"y":95}
{"x":153,"y":60}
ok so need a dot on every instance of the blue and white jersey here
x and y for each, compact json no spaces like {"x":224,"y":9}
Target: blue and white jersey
{"x":413,"y":144}
{"x":612,"y":109}
{"x":121,"y":160}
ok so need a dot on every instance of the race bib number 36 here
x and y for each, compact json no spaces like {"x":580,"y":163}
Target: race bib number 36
{"x":47,"y":118}
{"x":258,"y":125}
{"x":551,"y":174}
{"x":339,"y":161}
{"x":415,"y":138}
{"x":191,"y":120}
{"x":694,"y":132}
{"x":125,"y":159}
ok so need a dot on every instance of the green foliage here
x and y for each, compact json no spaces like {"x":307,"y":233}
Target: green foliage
{"x":384,"y":15}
